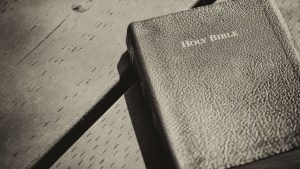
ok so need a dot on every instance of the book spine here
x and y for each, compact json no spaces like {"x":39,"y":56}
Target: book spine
{"x":137,"y":61}
{"x":134,"y":55}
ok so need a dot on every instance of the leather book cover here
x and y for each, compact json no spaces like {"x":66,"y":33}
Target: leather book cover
{"x":223,"y":82}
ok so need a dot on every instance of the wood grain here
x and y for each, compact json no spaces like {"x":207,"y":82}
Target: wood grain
{"x":58,"y":59}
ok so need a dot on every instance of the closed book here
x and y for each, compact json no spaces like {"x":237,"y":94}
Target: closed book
{"x":223,"y":82}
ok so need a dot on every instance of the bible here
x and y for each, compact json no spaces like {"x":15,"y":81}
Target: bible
{"x":222,"y":82}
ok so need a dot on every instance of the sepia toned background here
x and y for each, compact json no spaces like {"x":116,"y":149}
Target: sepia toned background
{"x":68,"y":96}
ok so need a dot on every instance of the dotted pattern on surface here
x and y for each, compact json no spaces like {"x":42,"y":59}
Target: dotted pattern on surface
{"x":58,"y":59}
{"x":124,"y":137}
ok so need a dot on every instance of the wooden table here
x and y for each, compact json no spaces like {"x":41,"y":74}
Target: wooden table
{"x":64,"y":73}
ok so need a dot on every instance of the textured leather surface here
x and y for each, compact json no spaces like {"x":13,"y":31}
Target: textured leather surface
{"x":223,"y":103}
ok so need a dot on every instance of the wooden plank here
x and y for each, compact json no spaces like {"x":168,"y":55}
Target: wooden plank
{"x":58,"y":59}
{"x":132,"y":99}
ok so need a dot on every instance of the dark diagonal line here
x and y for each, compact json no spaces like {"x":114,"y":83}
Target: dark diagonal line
{"x":42,"y":41}
{"x":127,"y":78}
